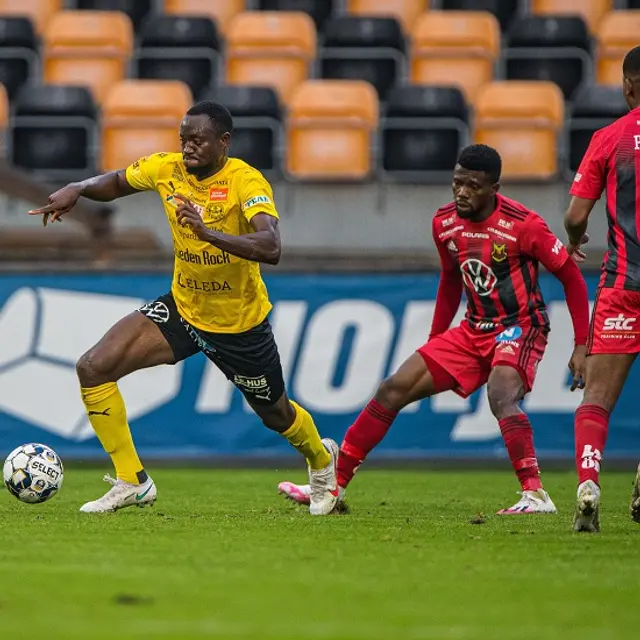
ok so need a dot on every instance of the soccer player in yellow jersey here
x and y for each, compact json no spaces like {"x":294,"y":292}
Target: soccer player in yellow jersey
{"x":224,"y":224}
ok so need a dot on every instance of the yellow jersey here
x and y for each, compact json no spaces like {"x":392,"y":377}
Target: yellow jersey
{"x":214,"y":291}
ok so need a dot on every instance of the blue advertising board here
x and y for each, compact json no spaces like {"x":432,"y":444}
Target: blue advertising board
{"x":339,"y":335}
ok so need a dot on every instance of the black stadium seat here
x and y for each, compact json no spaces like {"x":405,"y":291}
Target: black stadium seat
{"x":554,"y":48}
{"x":371,"y":49}
{"x":178,"y":48}
{"x":256,"y":123}
{"x":18,"y":53}
{"x":53,"y":130}
{"x":594,"y":107}
{"x":137,"y":10}
{"x":319,"y":10}
{"x":423,"y":131}
{"x":504,"y":10}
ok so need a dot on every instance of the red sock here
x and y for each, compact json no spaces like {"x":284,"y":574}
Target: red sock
{"x":591,"y":429}
{"x":518,"y":438}
{"x":363,"y":435}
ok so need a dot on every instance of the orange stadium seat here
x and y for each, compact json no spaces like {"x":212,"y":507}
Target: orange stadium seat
{"x":618,"y":32}
{"x":38,"y":11}
{"x":592,"y":11}
{"x":406,"y":12}
{"x":330,"y":129}
{"x":4,"y":108}
{"x":89,"y":48}
{"x":455,"y":48}
{"x":270,"y":48}
{"x":521,"y":120}
{"x":141,"y":117}
{"x":222,"y":11}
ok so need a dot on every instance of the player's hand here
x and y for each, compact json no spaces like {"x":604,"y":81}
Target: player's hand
{"x":575,"y":251}
{"x":60,"y":202}
{"x":189,"y":216}
{"x":577,"y":366}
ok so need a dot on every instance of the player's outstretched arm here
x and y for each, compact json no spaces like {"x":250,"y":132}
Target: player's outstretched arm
{"x":102,"y":188}
{"x":263,"y":245}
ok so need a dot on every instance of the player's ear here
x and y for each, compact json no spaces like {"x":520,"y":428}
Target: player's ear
{"x":226,"y":139}
{"x":496,"y":187}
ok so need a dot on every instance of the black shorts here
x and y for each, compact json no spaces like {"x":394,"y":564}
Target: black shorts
{"x":249,"y":359}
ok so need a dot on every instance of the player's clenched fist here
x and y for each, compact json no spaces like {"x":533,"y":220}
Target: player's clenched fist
{"x":189,"y":216}
{"x":60,"y":202}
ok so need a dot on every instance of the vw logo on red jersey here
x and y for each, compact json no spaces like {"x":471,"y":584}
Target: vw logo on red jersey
{"x":478,"y":276}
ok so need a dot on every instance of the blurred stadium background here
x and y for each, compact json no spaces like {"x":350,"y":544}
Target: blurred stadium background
{"x":355,"y":110}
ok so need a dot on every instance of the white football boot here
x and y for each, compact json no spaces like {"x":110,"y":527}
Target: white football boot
{"x":122,"y":494}
{"x":301,"y":493}
{"x":587,"y":514}
{"x":323,"y":483}
{"x":531,"y":502}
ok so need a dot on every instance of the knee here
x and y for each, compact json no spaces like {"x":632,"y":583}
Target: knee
{"x":504,"y":396}
{"x":93,"y":369}
{"x":392,"y":394}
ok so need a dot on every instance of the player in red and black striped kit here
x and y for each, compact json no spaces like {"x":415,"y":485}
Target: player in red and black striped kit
{"x":611,"y":164}
{"x":491,"y":246}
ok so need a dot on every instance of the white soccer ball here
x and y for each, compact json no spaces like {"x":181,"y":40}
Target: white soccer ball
{"x":33,"y":473}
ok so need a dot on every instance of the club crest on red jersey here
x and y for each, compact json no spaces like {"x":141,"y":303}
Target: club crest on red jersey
{"x":499,"y":252}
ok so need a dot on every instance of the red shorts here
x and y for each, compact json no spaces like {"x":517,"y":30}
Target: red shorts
{"x":468,"y":355}
{"x":615,"y":322}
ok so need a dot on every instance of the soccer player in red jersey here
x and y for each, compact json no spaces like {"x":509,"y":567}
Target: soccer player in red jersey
{"x":491,"y":246}
{"x":611,"y":164}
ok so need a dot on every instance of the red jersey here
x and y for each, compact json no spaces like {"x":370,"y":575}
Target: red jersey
{"x":612,"y":163}
{"x":497,"y":260}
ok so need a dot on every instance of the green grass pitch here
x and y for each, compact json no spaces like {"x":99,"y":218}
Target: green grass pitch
{"x":222,"y":556}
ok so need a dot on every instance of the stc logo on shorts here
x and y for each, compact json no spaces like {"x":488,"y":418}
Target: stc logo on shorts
{"x":618,"y":327}
{"x":478,"y":276}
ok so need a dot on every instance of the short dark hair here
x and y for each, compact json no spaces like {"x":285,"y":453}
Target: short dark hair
{"x":219,"y":115}
{"x":631,"y":64}
{"x":480,"y":157}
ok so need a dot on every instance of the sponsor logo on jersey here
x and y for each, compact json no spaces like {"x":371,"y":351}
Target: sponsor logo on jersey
{"x":207,"y":258}
{"x":478,"y":276}
{"x":636,"y":139}
{"x":578,"y":177}
{"x":204,"y":286}
{"x":218,"y":195}
{"x":256,"y":200}
{"x":505,"y":224}
{"x":502,"y":234}
{"x":450,"y":232}
{"x":618,"y":327}
{"x":256,"y":386}
{"x":499,"y":252}
{"x":447,"y":222}
{"x":557,"y":246}
{"x":506,"y":348}
{"x":156,"y":311}
{"x":475,"y":235}
{"x":451,"y":245}
{"x":485,"y":325}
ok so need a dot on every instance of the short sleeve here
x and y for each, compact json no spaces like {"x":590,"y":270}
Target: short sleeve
{"x":143,"y":173}
{"x":590,"y":180}
{"x":256,"y":196}
{"x":538,"y":241}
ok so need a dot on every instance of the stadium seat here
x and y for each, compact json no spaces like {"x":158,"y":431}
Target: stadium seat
{"x":18,"y":53}
{"x":618,"y":32}
{"x":87,"y":48}
{"x":319,"y":10}
{"x":370,"y":49}
{"x":594,"y":107}
{"x":53,"y":131}
{"x":257,"y":128}
{"x":554,"y":48}
{"x":137,"y":10}
{"x":270,"y":48}
{"x":38,"y":11}
{"x":422,"y":132}
{"x":456,"y":48}
{"x":221,"y":11}
{"x":591,"y":10}
{"x":521,"y":120}
{"x":330,"y":130}
{"x":405,"y":11}
{"x":178,"y":48}
{"x":141,"y":117}
{"x":504,"y":10}
{"x":4,"y":108}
